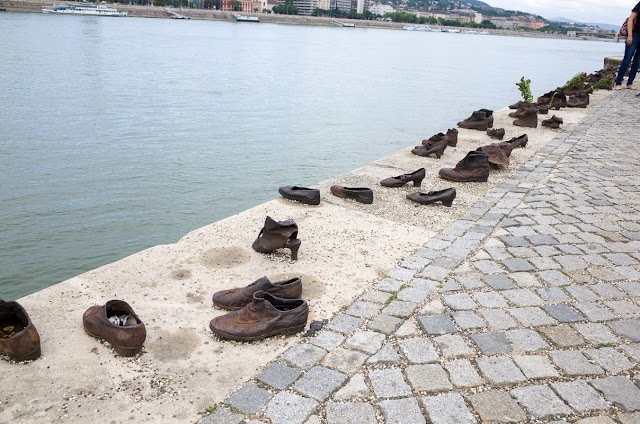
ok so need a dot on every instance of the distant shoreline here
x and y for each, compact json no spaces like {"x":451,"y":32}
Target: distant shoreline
{"x":214,"y":15}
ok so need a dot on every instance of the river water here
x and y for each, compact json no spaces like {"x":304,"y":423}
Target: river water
{"x":120,"y":134}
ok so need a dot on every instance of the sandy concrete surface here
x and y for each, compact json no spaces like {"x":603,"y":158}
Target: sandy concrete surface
{"x":183,"y":369}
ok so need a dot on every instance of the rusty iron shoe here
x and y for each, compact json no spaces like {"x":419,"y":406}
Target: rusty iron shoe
{"x":496,"y":133}
{"x":308,"y":196}
{"x":528,"y":118}
{"x":474,"y":167}
{"x":499,"y":153}
{"x":416,"y":177}
{"x":518,"y":141}
{"x":434,"y":148}
{"x":276,"y":235}
{"x":359,"y":194}
{"x":117,"y":324}
{"x":479,"y":120}
{"x":553,"y":122}
{"x":238,"y":298}
{"x":452,"y":137}
{"x":579,"y":99}
{"x":445,"y":196}
{"x":264,"y":317}
{"x":19,"y":338}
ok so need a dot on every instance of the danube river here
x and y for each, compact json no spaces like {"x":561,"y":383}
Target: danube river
{"x":120,"y":134}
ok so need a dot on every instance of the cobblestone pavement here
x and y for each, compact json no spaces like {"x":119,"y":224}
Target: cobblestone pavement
{"x":526,"y":309}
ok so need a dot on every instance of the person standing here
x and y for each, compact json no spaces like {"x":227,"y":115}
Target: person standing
{"x":630,"y":51}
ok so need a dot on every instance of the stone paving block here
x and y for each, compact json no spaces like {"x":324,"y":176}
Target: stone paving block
{"x":574,"y":363}
{"x":386,"y":354}
{"x":222,"y":416}
{"x":388,"y":383}
{"x":517,"y":264}
{"x":631,"y":287}
{"x":542,"y":239}
{"x":319,"y":383}
{"x":522,"y":231}
{"x":497,"y":407}
{"x":596,"y":420}
{"x":569,"y":248}
{"x":344,"y":324}
{"x":467,"y":320}
{"x":460,"y":301}
{"x":278,"y":375}
{"x":385,"y":324}
{"x":624,"y":308}
{"x":400,"y":309}
{"x":523,"y":297}
{"x":499,"y":282}
{"x":526,"y":340}
{"x":453,"y":346}
{"x":619,"y":391}
{"x":535,"y":366}
{"x":629,"y":328}
{"x":327,"y":339}
{"x":632,"y":351}
{"x":471,"y":281}
{"x":344,"y":360}
{"x":304,"y":355}
{"x":540,"y":401}
{"x":531,"y":316}
{"x":515,"y":241}
{"x":580,"y":396}
{"x":412,"y":294}
{"x":594,"y":312}
{"x":375,"y":296}
{"x":401,"y":274}
{"x":563,"y":313}
{"x":546,"y":251}
{"x":363,"y":309}
{"x":500,"y":370}
{"x":490,"y":299}
{"x":429,"y":378}
{"x":447,"y":408}
{"x":401,"y":411}
{"x":582,"y":293}
{"x":596,"y":333}
{"x":609,"y":359}
{"x":356,"y":388}
{"x":287,"y":408}
{"x":388,"y":285}
{"x":553,"y":295}
{"x":424,"y":285}
{"x":366,"y":341}
{"x":498,"y":319}
{"x":543,"y":263}
{"x":629,"y":418}
{"x":571,"y":262}
{"x":608,"y":291}
{"x":349,"y":413}
{"x":435,"y":273}
{"x":554,"y":278}
{"x":408,"y":329}
{"x":450,"y":286}
{"x":492,"y":343}
{"x":249,"y":399}
{"x":418,"y":350}
{"x":437,"y":324}
{"x":463,"y":374}
{"x":522,"y":252}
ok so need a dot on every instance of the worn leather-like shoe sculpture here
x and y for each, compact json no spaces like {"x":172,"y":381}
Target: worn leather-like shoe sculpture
{"x":416,"y":177}
{"x":445,"y":196}
{"x":474,"y":167}
{"x":452,"y":137}
{"x":359,"y":194}
{"x":264,"y":317}
{"x":554,"y":99}
{"x":579,"y":99}
{"x":498,"y":153}
{"x":117,"y":324}
{"x":278,"y":235}
{"x":528,"y":117}
{"x":433,"y":148}
{"x":19,"y":338}
{"x":309,"y":196}
{"x":553,"y":122}
{"x":518,"y":141}
{"x":496,"y":133}
{"x":479,"y":120}
{"x":238,"y":298}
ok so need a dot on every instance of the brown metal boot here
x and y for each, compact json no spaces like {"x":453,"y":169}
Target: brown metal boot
{"x":518,"y":141}
{"x":474,"y":167}
{"x":498,"y":154}
{"x":434,"y":139}
{"x":553,"y":122}
{"x":496,"y":133}
{"x":445,"y":196}
{"x":278,"y":235}
{"x":19,"y":338}
{"x":452,"y":137}
{"x":580,"y":99}
{"x":238,"y":298}
{"x":436,"y":148}
{"x":264,"y":317}
{"x":479,"y":120}
{"x":529,"y":118}
{"x":554,"y":99}
{"x":116,"y":323}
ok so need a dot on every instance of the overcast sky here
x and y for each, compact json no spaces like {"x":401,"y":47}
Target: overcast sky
{"x":600,"y":11}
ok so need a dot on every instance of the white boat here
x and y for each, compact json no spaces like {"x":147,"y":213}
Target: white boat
{"x":84,"y":9}
{"x":423,"y":28}
{"x":242,"y":18}
{"x":409,"y":28}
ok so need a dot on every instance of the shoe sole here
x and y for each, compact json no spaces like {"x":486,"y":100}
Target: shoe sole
{"x":279,"y":332}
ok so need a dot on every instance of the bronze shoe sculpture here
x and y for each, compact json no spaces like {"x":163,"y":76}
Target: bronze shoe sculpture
{"x":264,"y":317}
{"x":498,"y":155}
{"x":553,"y":122}
{"x":278,"y":235}
{"x":452,"y":137}
{"x":554,"y":99}
{"x":479,"y":120}
{"x":359,"y":194}
{"x":580,"y":99}
{"x":496,"y":133}
{"x":309,"y":196}
{"x":434,"y":139}
{"x":518,"y":141}
{"x":445,"y":196}
{"x":529,"y":118}
{"x":117,"y":324}
{"x":416,"y":177}
{"x":19,"y":338}
{"x":238,"y":298}
{"x":474,"y":167}
{"x":516,"y":105}
{"x":436,"y":148}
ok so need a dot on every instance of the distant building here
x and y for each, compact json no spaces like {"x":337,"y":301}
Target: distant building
{"x":380,"y":9}
{"x":504,"y":23}
{"x":323,"y":4}
{"x":305,"y":7}
{"x":247,"y":5}
{"x":343,"y":5}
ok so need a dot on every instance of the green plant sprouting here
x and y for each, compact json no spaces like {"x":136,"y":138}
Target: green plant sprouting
{"x":525,"y":89}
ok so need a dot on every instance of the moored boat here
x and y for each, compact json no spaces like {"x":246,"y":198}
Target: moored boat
{"x":242,"y":18}
{"x":84,"y":9}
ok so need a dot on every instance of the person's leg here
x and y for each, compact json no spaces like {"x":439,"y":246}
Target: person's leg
{"x":628,"y":54}
{"x":635,"y":63}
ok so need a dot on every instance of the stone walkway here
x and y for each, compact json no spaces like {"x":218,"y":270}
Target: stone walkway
{"x":525,"y":310}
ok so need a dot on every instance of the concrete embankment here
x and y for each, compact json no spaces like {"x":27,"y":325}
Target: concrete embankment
{"x":346,"y":247}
